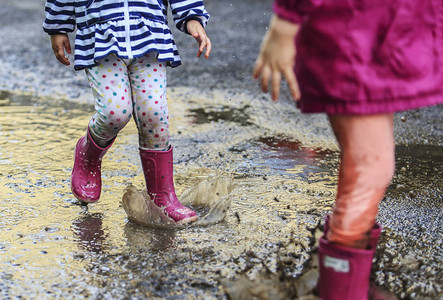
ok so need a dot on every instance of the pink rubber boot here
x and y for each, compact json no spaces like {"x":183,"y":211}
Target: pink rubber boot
{"x":345,"y":271}
{"x":86,"y":179}
{"x":158,"y":170}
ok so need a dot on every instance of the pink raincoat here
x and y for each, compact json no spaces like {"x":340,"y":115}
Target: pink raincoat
{"x":367,"y":56}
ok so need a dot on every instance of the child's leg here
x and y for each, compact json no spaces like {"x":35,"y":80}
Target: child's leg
{"x":148,"y":83}
{"x":112,"y":92}
{"x":366,"y":168}
{"x":110,"y":87}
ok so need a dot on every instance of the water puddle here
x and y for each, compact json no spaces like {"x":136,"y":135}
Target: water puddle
{"x":257,"y":181}
{"x":52,"y":247}
{"x":221,"y":113}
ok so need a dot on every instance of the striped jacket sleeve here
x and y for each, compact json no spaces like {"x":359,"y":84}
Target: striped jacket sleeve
{"x":295,"y":10}
{"x":185,"y":10}
{"x":60,"y":16}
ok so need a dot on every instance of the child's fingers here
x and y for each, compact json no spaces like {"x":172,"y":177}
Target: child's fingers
{"x":197,"y":37}
{"x":60,"y":55}
{"x":67,"y":46}
{"x":202,"y":41}
{"x":265,"y":76}
{"x":202,"y":46}
{"x":60,"y":42}
{"x":257,"y":68}
{"x":292,"y":83}
{"x":208,"y":48}
{"x":276,"y":79}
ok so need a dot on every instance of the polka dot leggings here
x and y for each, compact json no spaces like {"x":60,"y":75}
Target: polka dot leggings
{"x":130,"y":87}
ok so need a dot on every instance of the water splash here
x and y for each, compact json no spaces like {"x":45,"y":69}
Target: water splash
{"x":210,"y":198}
{"x":142,"y":210}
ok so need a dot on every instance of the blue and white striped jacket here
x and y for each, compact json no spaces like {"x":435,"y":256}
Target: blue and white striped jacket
{"x":128,"y":28}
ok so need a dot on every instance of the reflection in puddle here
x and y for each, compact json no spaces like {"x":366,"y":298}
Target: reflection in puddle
{"x":89,"y":233}
{"x":283,"y":154}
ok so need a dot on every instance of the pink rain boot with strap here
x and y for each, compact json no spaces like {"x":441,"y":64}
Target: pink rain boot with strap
{"x":86,"y":181}
{"x":345,"y":271}
{"x":158,"y":170}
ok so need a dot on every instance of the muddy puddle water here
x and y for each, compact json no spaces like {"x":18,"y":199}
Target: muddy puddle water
{"x":279,"y":182}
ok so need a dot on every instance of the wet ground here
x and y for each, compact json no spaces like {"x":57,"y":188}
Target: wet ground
{"x":283,"y":166}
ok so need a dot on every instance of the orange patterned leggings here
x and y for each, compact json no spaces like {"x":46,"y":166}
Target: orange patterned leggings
{"x":367,"y":165}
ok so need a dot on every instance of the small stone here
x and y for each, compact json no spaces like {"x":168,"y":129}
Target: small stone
{"x":287,"y":260}
{"x":412,"y":194}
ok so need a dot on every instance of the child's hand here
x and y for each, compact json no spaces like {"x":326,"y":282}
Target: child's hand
{"x":60,"y":43}
{"x":196,"y":30}
{"x":277,"y":56}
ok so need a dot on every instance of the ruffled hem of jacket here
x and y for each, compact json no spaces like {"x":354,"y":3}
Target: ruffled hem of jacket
{"x":88,"y":52}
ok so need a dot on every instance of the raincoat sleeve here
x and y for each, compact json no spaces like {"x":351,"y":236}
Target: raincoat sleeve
{"x":60,"y":16}
{"x":295,"y":11}
{"x":186,"y":10}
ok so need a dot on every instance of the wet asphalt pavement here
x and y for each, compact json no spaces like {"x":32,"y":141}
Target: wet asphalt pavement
{"x":217,"y":91}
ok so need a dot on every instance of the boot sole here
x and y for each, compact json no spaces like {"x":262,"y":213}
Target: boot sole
{"x":87,"y":201}
{"x":187,"y":221}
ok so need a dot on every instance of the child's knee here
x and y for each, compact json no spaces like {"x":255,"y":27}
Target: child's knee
{"x":373,"y":168}
{"x":108,"y":125}
{"x":119,"y":118}
{"x":384,"y":168}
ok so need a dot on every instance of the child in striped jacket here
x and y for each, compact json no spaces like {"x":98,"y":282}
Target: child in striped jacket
{"x":124,"y":46}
